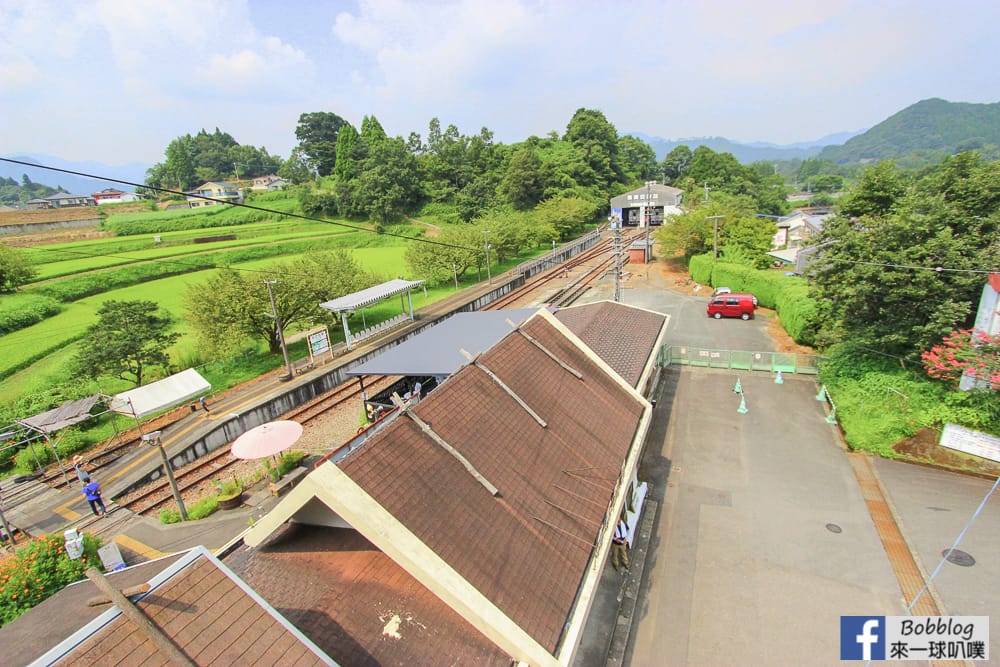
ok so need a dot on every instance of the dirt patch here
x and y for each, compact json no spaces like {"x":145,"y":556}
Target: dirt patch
{"x":923,"y":448}
{"x":55,"y":236}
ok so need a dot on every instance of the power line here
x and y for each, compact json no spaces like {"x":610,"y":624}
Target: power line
{"x":939,"y":269}
{"x":230,"y":203}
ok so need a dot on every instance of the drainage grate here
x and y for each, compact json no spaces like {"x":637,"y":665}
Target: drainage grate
{"x":959,"y":557}
{"x":834,"y":528}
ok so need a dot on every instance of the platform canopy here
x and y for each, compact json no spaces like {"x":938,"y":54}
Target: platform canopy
{"x":370,"y":295}
{"x":160,"y":395}
{"x":437,"y":351}
{"x":59,"y":418}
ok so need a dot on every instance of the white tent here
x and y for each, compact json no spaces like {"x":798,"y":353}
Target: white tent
{"x":160,"y":395}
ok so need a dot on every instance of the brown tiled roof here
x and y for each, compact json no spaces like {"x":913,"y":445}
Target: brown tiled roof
{"x":356,"y":603}
{"x":36,"y":631}
{"x":527,"y":549}
{"x":623,"y":336}
{"x":208,"y":615}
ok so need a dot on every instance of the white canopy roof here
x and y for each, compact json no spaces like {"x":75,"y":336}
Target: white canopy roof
{"x":161,"y":394}
{"x":367,"y":297}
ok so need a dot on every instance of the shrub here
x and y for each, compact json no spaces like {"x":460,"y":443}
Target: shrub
{"x":700,"y":268}
{"x":170,"y":516}
{"x":203,"y":508}
{"x":31,"y":309}
{"x":36,"y":571}
{"x":289,"y":461}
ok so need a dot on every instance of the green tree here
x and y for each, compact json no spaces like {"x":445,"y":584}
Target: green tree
{"x":350,"y":152}
{"x":15,"y":268}
{"x":565,"y":215}
{"x":388,"y":186}
{"x":457,"y":249}
{"x":675,"y":164}
{"x":597,"y":139}
{"x":316,"y":133}
{"x":638,"y":159}
{"x":878,"y":269}
{"x":179,"y":169}
{"x":522,"y":183}
{"x":877,"y":192}
{"x":128,"y":338}
{"x":296,"y":168}
{"x":232,"y":308}
{"x":372,"y":132}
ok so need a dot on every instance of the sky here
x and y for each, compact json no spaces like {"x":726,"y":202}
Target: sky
{"x":114,"y":81}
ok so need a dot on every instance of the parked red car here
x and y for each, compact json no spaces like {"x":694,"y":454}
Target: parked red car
{"x":732,"y":305}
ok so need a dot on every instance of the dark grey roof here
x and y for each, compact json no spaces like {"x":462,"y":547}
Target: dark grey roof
{"x":65,"y":415}
{"x":436,"y":351}
{"x":367,"y":297}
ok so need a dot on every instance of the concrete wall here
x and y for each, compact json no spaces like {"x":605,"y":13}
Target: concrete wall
{"x":34,"y":227}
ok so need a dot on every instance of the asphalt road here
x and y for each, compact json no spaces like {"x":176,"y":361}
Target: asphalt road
{"x":763,"y":538}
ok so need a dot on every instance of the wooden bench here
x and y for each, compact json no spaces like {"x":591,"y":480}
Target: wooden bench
{"x":288,"y":481}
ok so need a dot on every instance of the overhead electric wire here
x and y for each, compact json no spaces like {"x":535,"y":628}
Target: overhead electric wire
{"x":224,"y":201}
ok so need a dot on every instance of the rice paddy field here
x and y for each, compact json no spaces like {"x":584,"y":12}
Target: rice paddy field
{"x":160,"y":256}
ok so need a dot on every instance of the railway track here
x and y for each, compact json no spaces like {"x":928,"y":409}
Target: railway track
{"x":158,"y":494}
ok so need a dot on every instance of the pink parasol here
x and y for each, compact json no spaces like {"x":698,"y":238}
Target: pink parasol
{"x":266,"y":440}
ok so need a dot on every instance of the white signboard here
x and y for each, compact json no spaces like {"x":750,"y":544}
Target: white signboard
{"x":319,"y":342}
{"x":971,"y":442}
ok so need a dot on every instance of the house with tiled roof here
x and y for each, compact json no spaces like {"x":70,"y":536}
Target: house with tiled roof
{"x":113,"y":196}
{"x":474,"y":525}
{"x":189,"y":600}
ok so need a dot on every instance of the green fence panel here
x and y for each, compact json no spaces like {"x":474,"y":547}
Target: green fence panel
{"x":741,"y":360}
{"x":762,"y":361}
{"x":783,"y":362}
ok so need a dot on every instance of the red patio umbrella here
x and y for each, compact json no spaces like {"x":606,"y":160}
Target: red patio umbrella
{"x":266,"y":440}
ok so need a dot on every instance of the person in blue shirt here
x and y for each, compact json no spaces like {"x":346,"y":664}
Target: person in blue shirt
{"x":93,"y":493}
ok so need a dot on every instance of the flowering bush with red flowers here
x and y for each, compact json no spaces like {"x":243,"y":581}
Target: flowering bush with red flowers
{"x":965,"y":352}
{"x":39,"y":569}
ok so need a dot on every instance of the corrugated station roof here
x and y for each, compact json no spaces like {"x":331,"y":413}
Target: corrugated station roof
{"x":625,"y":337}
{"x":437,"y":351}
{"x":367,"y":297}
{"x":357,"y":604}
{"x":526,"y":550}
{"x":494,"y":491}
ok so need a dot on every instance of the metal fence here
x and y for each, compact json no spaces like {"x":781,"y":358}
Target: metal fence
{"x":739,"y":359}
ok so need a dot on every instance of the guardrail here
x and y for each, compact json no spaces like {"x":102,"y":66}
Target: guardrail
{"x":772,"y":362}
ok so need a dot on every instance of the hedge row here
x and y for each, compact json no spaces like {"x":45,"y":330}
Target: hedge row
{"x":801,"y":314}
{"x":31,"y":309}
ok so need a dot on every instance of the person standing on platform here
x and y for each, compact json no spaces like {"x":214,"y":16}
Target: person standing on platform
{"x":93,"y":493}
{"x":81,"y":474}
{"x":619,"y":546}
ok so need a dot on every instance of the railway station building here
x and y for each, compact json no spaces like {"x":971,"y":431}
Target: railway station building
{"x":657,"y":200}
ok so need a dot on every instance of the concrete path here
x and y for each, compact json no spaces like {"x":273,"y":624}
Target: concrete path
{"x":744,"y":569}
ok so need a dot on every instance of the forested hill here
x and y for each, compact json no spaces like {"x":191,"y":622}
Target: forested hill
{"x":929,"y":125}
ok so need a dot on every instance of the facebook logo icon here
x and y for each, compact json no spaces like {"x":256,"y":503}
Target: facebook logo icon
{"x":862,"y":637}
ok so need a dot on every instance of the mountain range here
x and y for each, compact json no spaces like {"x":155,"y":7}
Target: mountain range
{"x":748,"y":153}
{"x":79,"y":185}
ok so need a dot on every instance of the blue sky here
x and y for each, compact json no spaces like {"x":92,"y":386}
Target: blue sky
{"x":116,"y":80}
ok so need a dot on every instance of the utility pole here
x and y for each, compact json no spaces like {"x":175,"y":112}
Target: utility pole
{"x":616,"y":227}
{"x":277,"y":325}
{"x":486,"y":243}
{"x":706,"y":193}
{"x":715,"y":238}
{"x":155,"y":440}
{"x":649,"y":221}
{"x":3,"y":519}
{"x":236,"y":169}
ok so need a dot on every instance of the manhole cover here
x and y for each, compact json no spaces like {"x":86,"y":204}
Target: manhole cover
{"x":834,"y":528}
{"x":959,"y":557}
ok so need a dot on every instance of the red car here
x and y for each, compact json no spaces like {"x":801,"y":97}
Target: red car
{"x":732,"y":305}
